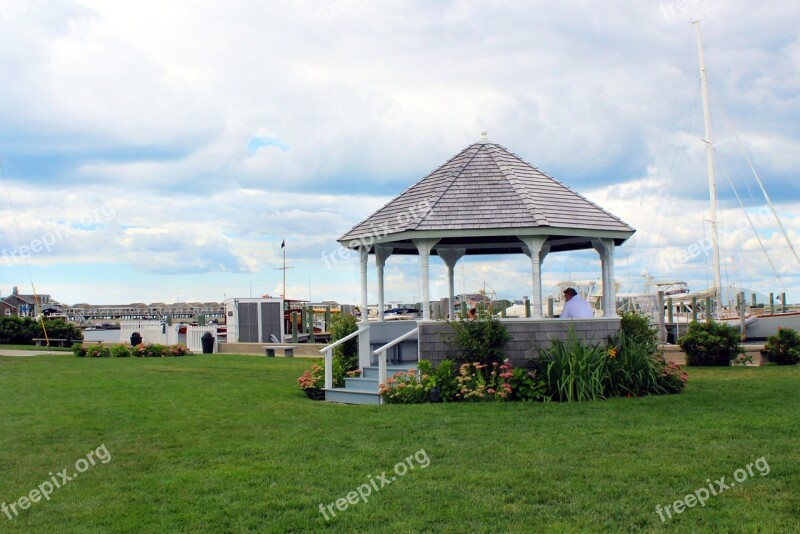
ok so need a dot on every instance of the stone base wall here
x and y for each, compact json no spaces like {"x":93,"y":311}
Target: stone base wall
{"x":527,"y":335}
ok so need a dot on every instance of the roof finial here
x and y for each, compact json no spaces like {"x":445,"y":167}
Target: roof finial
{"x":484,"y":137}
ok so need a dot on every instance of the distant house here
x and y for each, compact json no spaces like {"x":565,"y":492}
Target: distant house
{"x":18,"y":305}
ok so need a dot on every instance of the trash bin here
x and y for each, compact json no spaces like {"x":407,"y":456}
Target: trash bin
{"x":207,"y":341}
{"x":136,"y":339}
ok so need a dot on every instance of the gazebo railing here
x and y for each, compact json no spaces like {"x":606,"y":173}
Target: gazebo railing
{"x":329,"y":355}
{"x":381,"y":353}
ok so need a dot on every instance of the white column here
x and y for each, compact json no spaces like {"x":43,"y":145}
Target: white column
{"x":381,"y":254}
{"x":364,"y":352}
{"x":605,"y":249}
{"x":535,"y":244}
{"x":612,"y":289}
{"x":424,"y":247}
{"x":450,"y":256}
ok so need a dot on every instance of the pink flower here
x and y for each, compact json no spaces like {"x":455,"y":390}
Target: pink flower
{"x":490,"y":390}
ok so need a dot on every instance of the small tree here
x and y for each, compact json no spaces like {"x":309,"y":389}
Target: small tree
{"x":783,"y":347}
{"x":482,"y":339}
{"x":711,"y":344}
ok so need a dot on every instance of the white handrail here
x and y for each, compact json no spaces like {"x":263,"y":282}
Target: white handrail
{"x":381,"y":353}
{"x":329,"y":356}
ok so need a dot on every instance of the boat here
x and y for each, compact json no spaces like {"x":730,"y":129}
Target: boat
{"x":755,"y":325}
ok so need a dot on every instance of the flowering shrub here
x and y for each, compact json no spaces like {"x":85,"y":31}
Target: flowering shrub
{"x":123,"y":350}
{"x":97,"y":351}
{"x":406,"y":388}
{"x":312,"y":381}
{"x":156,"y":350}
{"x":672,"y":379}
{"x":474,"y":382}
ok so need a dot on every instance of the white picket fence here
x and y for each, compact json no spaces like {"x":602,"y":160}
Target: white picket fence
{"x":194,"y":333}
{"x":159,"y":332}
{"x":151,"y":332}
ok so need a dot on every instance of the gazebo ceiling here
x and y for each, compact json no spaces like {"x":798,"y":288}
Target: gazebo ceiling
{"x":481,"y":200}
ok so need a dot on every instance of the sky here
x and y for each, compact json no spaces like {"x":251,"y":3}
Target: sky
{"x":162,"y":151}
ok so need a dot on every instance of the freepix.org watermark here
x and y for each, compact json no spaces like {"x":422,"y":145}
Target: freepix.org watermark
{"x":57,"y":481}
{"x":386,"y":227}
{"x":45,"y":241}
{"x":701,"y":495}
{"x":374,"y":484}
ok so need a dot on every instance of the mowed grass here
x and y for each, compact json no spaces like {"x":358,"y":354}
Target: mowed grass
{"x":221,"y":443}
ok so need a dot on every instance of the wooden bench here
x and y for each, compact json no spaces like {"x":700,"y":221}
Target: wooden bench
{"x":41,"y":342}
{"x":288,"y":351}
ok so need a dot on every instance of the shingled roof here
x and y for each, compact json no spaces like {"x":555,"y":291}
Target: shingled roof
{"x":483,"y":189}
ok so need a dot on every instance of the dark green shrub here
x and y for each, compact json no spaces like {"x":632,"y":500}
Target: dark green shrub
{"x":783,"y":347}
{"x":711,"y":344}
{"x":637,"y":329}
{"x":22,"y":330}
{"x":481,"y":340}
{"x":58,"y":329}
{"x":78,"y":350}
{"x":345,"y":356}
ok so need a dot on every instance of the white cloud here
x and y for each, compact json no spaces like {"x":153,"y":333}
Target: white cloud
{"x":152,"y":107}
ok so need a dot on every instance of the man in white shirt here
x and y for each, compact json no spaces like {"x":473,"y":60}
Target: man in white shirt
{"x":576,"y":307}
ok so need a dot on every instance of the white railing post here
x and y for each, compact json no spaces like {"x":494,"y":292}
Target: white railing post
{"x":381,"y":354}
{"x":329,"y":355}
{"x":382,"y":367}
{"x":329,"y":369}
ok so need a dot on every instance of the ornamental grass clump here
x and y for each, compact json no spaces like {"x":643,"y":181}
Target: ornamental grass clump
{"x":575,"y":371}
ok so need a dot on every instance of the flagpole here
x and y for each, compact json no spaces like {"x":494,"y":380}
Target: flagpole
{"x":284,"y":273}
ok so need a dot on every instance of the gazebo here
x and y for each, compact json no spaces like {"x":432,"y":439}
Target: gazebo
{"x":483,"y":201}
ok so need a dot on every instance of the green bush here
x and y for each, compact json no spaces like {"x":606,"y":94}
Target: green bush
{"x":78,"y":350}
{"x":443,"y":378}
{"x":783,"y":347}
{"x":22,"y":330}
{"x":636,"y":328}
{"x":121,"y":350}
{"x":481,"y":340}
{"x":711,"y":344}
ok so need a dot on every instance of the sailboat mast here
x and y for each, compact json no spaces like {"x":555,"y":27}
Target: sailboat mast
{"x":712,"y":183}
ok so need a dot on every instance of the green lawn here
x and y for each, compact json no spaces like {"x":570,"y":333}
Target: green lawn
{"x":229,"y":444}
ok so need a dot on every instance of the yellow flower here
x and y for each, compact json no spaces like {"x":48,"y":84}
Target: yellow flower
{"x":612,"y":352}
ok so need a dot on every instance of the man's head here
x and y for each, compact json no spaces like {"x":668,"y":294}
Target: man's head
{"x":569,"y":293}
